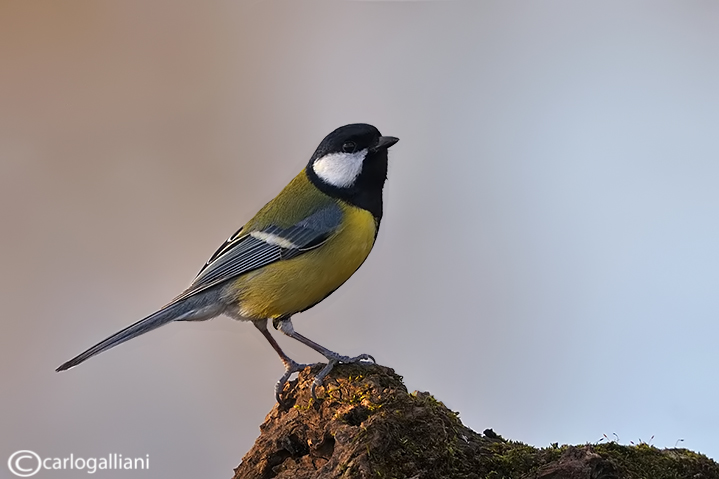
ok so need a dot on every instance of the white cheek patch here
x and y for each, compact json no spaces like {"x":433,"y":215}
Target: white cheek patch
{"x":340,"y":169}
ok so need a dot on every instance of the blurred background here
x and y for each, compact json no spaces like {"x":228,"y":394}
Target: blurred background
{"x":547,"y":264}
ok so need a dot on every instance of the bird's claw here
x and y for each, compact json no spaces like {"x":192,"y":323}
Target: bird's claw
{"x":290,"y":368}
{"x":331,"y":361}
{"x":294,"y":367}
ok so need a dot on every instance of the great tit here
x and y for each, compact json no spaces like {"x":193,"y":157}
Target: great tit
{"x":297,"y":250}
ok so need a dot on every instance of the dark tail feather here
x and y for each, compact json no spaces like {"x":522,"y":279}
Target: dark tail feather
{"x":191,"y":308}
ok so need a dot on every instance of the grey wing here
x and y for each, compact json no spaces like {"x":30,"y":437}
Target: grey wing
{"x":249,"y":250}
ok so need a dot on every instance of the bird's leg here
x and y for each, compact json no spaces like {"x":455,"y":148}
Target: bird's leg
{"x":285,"y":325}
{"x":290,"y":365}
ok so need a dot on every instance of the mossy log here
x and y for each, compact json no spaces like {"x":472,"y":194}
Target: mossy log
{"x":365,"y":424}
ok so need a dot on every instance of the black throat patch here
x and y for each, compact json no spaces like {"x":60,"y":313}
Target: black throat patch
{"x":366,"y":192}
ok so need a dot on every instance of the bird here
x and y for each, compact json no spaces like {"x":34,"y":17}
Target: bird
{"x":296,"y":251}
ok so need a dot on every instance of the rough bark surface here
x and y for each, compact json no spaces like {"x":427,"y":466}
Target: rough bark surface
{"x":365,"y":424}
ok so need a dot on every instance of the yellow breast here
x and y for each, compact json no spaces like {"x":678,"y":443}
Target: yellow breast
{"x":290,"y":286}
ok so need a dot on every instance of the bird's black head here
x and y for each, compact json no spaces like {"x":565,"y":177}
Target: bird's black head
{"x":351,"y":164}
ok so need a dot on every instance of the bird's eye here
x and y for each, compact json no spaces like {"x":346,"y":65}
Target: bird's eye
{"x":349,"y":147}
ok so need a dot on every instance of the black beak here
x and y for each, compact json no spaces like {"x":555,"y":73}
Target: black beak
{"x":384,"y":142}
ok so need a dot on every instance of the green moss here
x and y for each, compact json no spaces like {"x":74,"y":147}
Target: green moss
{"x":307,"y":406}
{"x":644,"y":461}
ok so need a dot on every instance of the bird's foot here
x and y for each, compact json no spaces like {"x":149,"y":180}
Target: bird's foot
{"x":333,"y":359}
{"x":290,"y":368}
